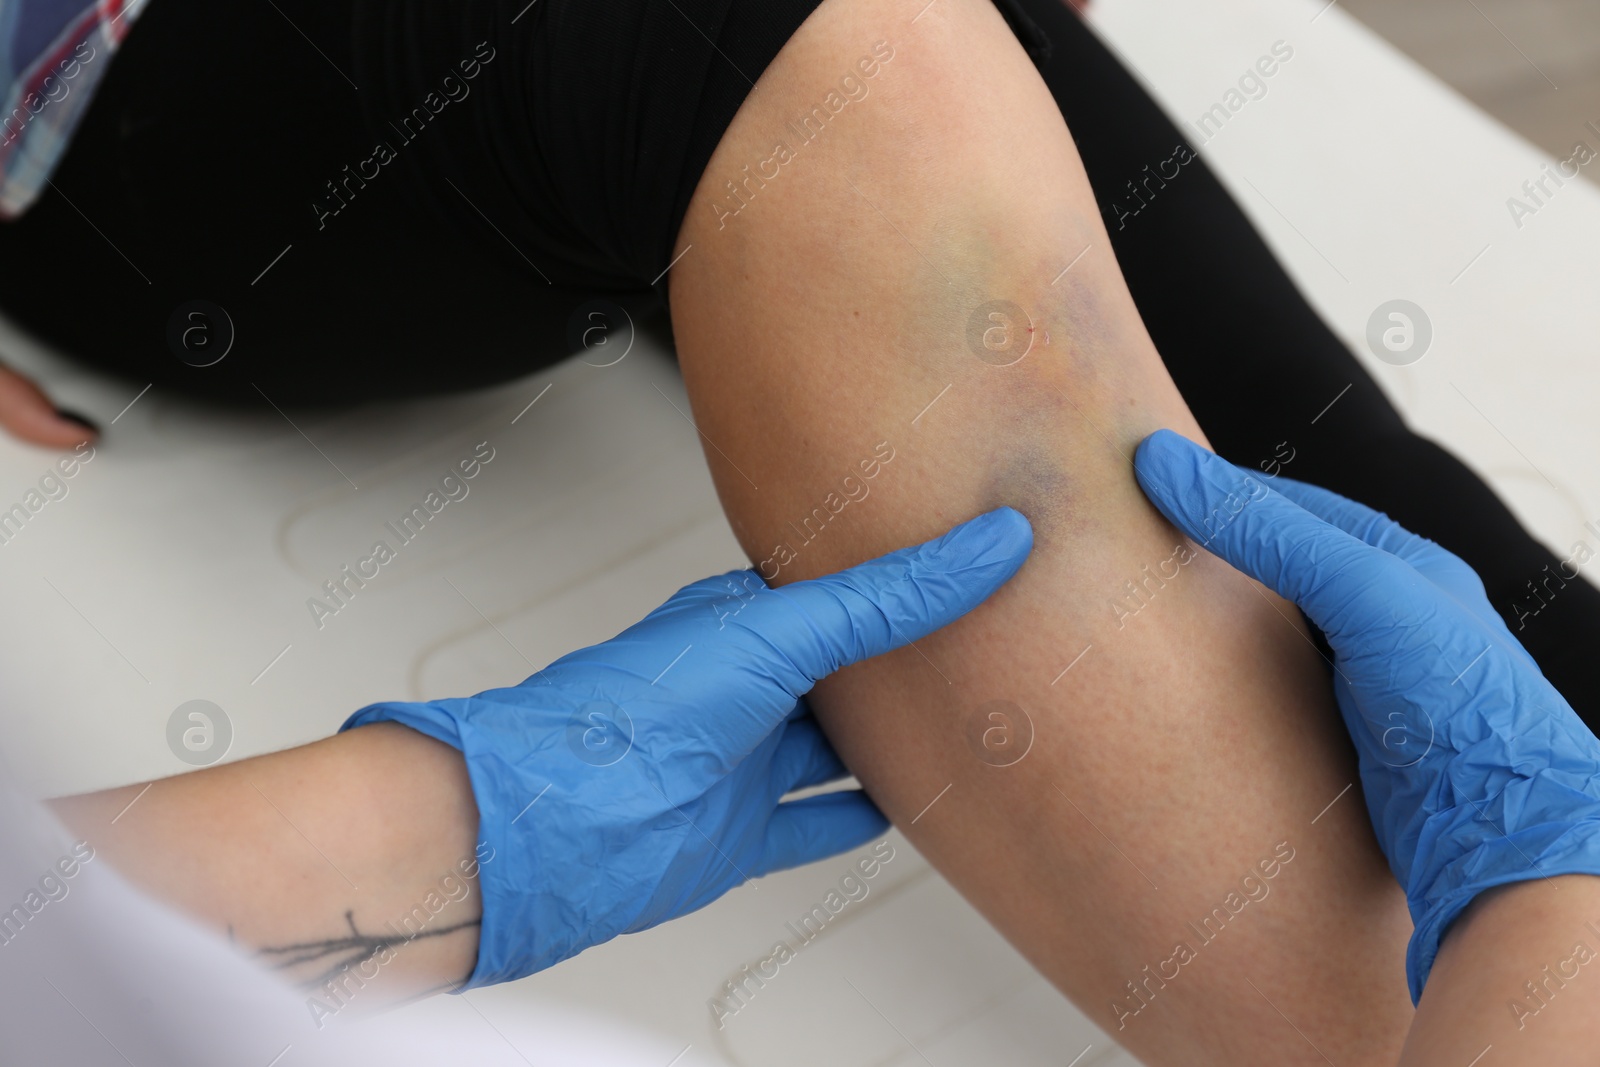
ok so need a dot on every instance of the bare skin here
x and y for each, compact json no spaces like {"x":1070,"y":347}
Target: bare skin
{"x":837,"y":306}
{"x":348,"y":865}
{"x":28,"y":415}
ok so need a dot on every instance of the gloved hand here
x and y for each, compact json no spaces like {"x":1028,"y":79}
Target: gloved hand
{"x":1477,"y":773}
{"x":639,"y":779}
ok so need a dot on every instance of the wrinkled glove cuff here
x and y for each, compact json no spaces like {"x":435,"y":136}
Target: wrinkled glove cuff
{"x":502,"y":957}
{"x":1540,"y":851}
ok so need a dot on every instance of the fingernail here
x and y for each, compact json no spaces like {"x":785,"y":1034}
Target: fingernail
{"x":81,"y":420}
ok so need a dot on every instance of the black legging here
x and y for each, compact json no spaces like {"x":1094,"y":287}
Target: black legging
{"x":196,"y":159}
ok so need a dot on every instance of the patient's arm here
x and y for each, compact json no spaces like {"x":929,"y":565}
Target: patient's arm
{"x":1193,"y":749}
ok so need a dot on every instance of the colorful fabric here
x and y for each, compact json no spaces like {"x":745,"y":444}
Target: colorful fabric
{"x":53,"y":54}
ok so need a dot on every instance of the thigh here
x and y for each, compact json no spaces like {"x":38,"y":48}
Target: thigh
{"x":896,"y":306}
{"x":282,"y":161}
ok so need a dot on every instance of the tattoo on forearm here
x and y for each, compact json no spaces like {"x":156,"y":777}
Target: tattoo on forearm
{"x":344,"y":952}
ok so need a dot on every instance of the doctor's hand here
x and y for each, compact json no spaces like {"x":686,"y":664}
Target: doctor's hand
{"x":1476,"y":772}
{"x":640,"y":779}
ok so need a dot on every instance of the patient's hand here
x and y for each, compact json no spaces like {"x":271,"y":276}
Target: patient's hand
{"x":28,"y":415}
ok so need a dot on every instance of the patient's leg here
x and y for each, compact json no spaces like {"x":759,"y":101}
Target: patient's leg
{"x":1193,"y":750}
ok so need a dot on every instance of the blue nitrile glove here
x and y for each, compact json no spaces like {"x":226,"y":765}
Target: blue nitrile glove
{"x":637,"y":780}
{"x":1477,"y":773}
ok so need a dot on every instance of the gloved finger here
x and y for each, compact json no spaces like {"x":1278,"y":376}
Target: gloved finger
{"x":1441,"y":566}
{"x":1345,"y":585}
{"x":1354,"y":518}
{"x":1380,"y":531}
{"x":804,"y":758}
{"x":823,"y":624}
{"x":804,"y":831}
